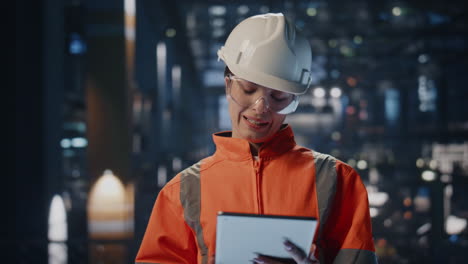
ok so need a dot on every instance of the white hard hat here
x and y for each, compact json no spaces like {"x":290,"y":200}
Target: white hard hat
{"x":267,"y":50}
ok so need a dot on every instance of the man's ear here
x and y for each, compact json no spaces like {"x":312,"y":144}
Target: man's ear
{"x":226,"y":83}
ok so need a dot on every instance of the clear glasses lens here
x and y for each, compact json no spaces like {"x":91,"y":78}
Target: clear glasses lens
{"x":246,"y":94}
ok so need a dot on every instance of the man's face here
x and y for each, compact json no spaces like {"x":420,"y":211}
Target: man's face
{"x":256,"y":123}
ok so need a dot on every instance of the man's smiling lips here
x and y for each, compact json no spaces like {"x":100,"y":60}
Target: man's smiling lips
{"x":254,"y":122}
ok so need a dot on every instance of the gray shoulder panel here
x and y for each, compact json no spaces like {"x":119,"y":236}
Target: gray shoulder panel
{"x":326,"y":178}
{"x":360,"y":256}
{"x":190,"y":197}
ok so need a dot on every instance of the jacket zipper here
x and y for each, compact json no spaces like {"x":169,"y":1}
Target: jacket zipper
{"x":257,"y":167}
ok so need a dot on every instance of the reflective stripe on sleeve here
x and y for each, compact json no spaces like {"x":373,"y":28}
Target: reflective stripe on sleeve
{"x":359,"y":256}
{"x":190,"y":198}
{"x":325,"y":178}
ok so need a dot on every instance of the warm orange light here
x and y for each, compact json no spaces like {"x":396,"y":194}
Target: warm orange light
{"x":408,"y":215}
{"x":381,"y":242}
{"x":407,"y":202}
{"x":107,"y":209}
{"x":350,"y":110}
{"x":351,"y":81}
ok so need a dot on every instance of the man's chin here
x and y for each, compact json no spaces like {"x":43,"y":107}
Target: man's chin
{"x":258,"y":139}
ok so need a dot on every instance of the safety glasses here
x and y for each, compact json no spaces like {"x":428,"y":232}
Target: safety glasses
{"x":247,"y":94}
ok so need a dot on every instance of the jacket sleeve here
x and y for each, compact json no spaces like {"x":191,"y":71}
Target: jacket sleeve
{"x":347,"y":234}
{"x":168,"y":239}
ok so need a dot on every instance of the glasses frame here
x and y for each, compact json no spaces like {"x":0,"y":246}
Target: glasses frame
{"x":291,"y":108}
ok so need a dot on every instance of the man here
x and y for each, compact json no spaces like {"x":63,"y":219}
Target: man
{"x":258,"y":168}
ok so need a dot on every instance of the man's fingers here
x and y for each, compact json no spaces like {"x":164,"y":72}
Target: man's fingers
{"x":312,"y":250}
{"x":299,"y":255}
{"x":260,"y":259}
{"x":296,"y":253}
{"x":312,"y":253}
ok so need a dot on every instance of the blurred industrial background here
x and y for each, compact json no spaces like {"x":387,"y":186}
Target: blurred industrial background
{"x":114,"y":97}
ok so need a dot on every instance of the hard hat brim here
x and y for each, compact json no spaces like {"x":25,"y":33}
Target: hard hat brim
{"x":269,"y":81}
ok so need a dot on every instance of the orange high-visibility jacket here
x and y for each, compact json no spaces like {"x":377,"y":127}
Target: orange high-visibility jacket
{"x":286,"y":179}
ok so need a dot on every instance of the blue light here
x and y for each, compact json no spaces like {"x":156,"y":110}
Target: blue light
{"x":77,"y":45}
{"x":437,"y":19}
{"x":453,"y":238}
{"x":423,"y":191}
{"x":427,"y":94}
{"x":384,"y":16}
{"x":392,"y":105}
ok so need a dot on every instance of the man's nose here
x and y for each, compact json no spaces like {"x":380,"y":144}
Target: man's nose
{"x":261,"y":105}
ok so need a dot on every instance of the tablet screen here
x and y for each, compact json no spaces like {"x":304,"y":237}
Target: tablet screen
{"x":240,"y":236}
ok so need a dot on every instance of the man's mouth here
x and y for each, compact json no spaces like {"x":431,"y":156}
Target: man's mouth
{"x":255,"y":122}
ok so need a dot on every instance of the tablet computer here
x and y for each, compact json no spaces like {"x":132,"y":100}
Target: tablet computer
{"x":240,"y":237}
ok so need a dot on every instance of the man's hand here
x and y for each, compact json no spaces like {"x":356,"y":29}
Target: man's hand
{"x":299,"y":256}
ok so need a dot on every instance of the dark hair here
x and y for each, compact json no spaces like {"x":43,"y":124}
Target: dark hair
{"x":227,"y":71}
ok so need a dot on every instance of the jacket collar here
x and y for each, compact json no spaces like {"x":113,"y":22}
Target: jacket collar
{"x":239,"y":149}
